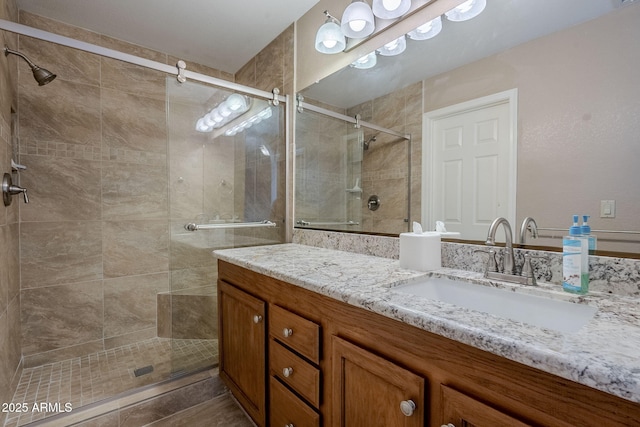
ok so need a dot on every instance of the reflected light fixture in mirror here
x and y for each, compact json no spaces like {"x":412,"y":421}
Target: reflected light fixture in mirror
{"x":357,"y":20}
{"x":365,"y":62}
{"x":467,"y":10}
{"x":394,"y":47}
{"x":329,"y":38}
{"x":390,"y":9}
{"x":427,"y":31}
{"x":223,"y":113}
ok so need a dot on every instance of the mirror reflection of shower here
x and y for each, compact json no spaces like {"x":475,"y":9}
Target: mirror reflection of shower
{"x":365,"y":144}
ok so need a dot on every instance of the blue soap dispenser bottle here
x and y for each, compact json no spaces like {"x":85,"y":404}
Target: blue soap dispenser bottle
{"x":575,"y":260}
{"x":586,"y":232}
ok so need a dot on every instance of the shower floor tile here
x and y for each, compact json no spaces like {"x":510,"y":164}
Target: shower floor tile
{"x":84,"y":380}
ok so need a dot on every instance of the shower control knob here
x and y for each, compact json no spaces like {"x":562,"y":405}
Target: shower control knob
{"x":373,"y":203}
{"x":9,"y":190}
{"x":287,"y":332}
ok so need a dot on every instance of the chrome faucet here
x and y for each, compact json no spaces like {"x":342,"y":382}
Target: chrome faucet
{"x":508,"y":259}
{"x":509,"y":271}
{"x":528,"y":223}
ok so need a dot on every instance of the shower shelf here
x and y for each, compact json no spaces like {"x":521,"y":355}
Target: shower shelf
{"x":194,"y":227}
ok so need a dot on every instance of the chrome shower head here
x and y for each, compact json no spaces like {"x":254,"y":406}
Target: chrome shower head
{"x":41,"y":75}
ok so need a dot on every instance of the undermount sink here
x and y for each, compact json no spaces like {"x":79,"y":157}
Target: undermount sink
{"x":561,"y":316}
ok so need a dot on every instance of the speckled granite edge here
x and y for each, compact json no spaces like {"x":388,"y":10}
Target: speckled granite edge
{"x":619,"y":276}
{"x":602,"y":354}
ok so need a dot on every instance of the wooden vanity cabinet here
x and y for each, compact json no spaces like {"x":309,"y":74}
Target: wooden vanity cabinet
{"x":368,"y":364}
{"x":241,"y":335}
{"x":371,"y":391}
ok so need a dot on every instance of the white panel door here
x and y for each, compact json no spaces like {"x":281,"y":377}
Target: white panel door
{"x":471,"y":169}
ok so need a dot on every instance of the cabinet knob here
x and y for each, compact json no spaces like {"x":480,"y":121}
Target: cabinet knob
{"x":289,"y":425}
{"x":257,"y":318}
{"x":448,"y":425}
{"x":287,"y":372}
{"x":407,"y":407}
{"x":287,"y":332}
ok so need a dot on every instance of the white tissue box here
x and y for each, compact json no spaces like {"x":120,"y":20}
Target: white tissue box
{"x":420,"y":252}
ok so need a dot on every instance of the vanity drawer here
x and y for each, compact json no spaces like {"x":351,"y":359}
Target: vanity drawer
{"x":294,"y":371}
{"x":298,"y":333}
{"x":287,"y":409}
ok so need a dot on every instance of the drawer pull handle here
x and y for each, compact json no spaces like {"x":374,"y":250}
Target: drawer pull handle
{"x":448,"y":425}
{"x":289,"y":425}
{"x":407,"y":407}
{"x":287,"y":332}
{"x":257,"y":318}
{"x":287,"y":372}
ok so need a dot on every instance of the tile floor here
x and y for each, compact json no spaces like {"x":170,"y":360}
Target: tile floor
{"x":222,"y":411}
{"x":84,"y":380}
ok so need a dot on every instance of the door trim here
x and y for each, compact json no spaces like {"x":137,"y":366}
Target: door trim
{"x":429,"y":120}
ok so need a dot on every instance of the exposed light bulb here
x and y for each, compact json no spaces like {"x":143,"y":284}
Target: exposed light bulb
{"x":329,"y":38}
{"x":427,"y":31}
{"x":357,"y":24}
{"x":390,"y":9}
{"x":365,"y":62}
{"x":394,"y":47}
{"x":467,"y":10}
{"x":329,"y":44}
{"x":357,"y":20}
{"x":391,"y":4}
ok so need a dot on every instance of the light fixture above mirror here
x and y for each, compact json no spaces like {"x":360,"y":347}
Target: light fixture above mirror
{"x":359,"y":22}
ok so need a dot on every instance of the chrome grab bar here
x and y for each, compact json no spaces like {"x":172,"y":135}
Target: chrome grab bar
{"x":195,"y":227}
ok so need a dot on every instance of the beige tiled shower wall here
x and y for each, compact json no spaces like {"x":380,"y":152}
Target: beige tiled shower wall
{"x":385,"y":171}
{"x":95,"y":239}
{"x":10,"y":366}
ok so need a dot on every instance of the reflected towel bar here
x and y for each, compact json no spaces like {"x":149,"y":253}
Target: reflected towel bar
{"x":593,"y":231}
{"x":308,"y":224}
{"x":194,"y":227}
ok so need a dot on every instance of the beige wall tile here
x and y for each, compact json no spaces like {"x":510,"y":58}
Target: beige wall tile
{"x":134,"y":191}
{"x":130,"y":303}
{"x":61,"y":189}
{"x":133,"y":122}
{"x":60,"y":112}
{"x":135,"y":247}
{"x":60,"y":252}
{"x":4,"y":270}
{"x":55,"y":317}
{"x":130,"y":338}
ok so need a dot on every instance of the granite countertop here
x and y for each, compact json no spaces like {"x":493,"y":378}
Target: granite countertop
{"x":603,"y":354}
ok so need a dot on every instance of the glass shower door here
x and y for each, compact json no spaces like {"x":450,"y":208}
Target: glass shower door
{"x":226,"y":189}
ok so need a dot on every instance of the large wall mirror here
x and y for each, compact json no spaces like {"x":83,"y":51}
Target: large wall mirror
{"x":573,"y":66}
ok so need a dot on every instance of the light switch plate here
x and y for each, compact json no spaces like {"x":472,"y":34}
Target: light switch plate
{"x":607,"y":208}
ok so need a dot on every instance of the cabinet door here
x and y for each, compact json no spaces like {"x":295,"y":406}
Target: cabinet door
{"x":242,"y":334}
{"x":374,"y":392}
{"x":460,"y":410}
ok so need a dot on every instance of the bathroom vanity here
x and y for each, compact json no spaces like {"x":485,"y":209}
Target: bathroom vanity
{"x":312,"y":337}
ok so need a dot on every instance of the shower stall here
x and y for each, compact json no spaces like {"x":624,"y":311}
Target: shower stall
{"x":351,"y":175}
{"x":129,"y":196}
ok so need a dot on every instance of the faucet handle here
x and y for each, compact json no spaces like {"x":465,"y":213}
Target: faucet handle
{"x":527,"y":268}
{"x":492,"y":264}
